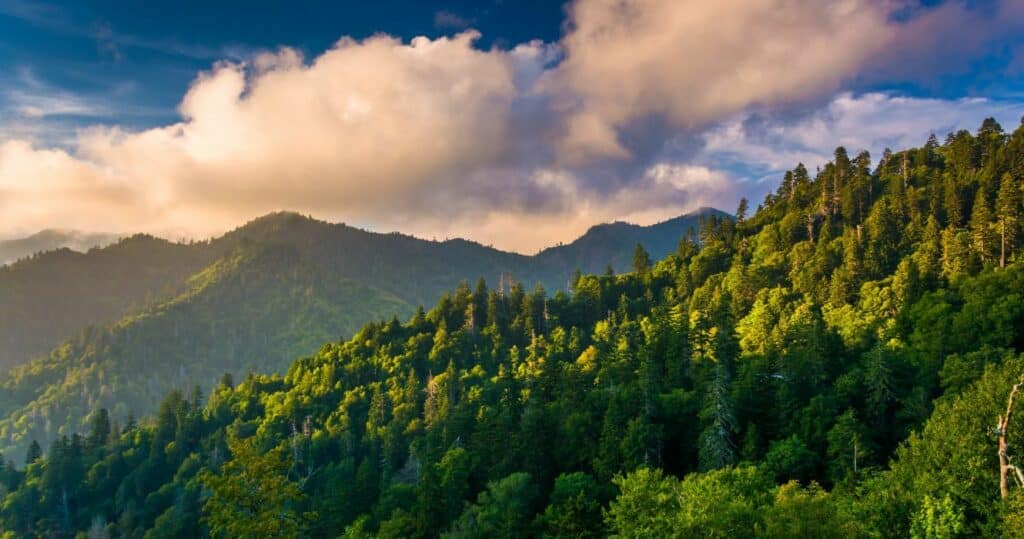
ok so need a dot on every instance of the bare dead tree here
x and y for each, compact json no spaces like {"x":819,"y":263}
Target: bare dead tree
{"x":1005,"y":464}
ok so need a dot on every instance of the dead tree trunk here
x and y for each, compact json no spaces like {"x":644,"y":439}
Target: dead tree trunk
{"x":1005,"y":466}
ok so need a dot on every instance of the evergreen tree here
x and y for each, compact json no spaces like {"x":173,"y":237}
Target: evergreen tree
{"x":717,"y":446}
{"x":982,"y":236}
{"x":641,"y":260}
{"x":34,"y":453}
{"x":251,"y":496}
{"x":1008,"y":205}
{"x":741,"y":211}
{"x":99,"y":431}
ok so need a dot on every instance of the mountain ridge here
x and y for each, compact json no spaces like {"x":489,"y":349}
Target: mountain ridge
{"x":776,"y":376}
{"x":53,"y":294}
{"x":249,"y":301}
{"x":50,"y":239}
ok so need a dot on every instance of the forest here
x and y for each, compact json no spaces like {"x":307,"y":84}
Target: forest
{"x":121,"y":326}
{"x":838,"y":362}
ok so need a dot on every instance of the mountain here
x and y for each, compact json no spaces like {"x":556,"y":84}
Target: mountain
{"x":831,"y":366}
{"x":252,"y":311}
{"x":54,"y":295}
{"x":144,"y":316}
{"x":51,"y":240}
{"x":612,"y":244}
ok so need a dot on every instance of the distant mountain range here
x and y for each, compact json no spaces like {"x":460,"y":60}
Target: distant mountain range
{"x":613,"y":243}
{"x":120,"y":326}
{"x":50,"y":240}
{"x":53,"y":295}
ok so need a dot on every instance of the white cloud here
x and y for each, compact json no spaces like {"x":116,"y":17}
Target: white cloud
{"x":439,"y":138}
{"x":872,"y":121}
{"x":432,"y":136}
{"x":367,"y":131}
{"x":693,"y":62}
{"x":662,"y":191}
{"x":26,"y":95}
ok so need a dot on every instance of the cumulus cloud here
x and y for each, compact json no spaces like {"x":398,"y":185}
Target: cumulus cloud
{"x":759,"y":145}
{"x":645,"y":109}
{"x":373,"y":131}
{"x":871,"y":121}
{"x":432,"y":136}
{"x":694,"y":62}
{"x":660,"y":192}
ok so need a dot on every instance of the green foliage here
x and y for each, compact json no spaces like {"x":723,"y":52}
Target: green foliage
{"x":251,"y":495}
{"x":723,"y":503}
{"x":829,"y":366}
{"x":50,"y":297}
{"x":574,"y":508}
{"x":160,"y":316}
{"x":807,"y":512}
{"x":503,"y":511}
{"x":641,"y":260}
{"x":937,"y":519}
{"x":245,"y":313}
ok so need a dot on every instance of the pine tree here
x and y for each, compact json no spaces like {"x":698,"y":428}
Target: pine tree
{"x":479,"y":315}
{"x":928,"y":255}
{"x":717,"y":449}
{"x":717,"y":444}
{"x":982,"y":238}
{"x":1008,"y":206}
{"x":953,"y":203}
{"x":35,"y":452}
{"x":956,"y":246}
{"x":931,"y":147}
{"x":741,"y":211}
{"x":878,"y":378}
{"x":99,"y":429}
{"x":840,"y":177}
{"x":252,"y":496}
{"x":641,"y":260}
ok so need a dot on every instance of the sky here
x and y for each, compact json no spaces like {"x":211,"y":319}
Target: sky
{"x":518,"y":124}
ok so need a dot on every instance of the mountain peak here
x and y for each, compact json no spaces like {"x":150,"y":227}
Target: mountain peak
{"x":613,"y":243}
{"x":52,"y":239}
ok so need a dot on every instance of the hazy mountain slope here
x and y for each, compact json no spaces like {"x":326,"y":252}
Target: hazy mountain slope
{"x":53,"y":296}
{"x":288,"y":284}
{"x":414,"y":269}
{"x":49,"y":297}
{"x":613,"y":243}
{"x":252,"y":311}
{"x":51,"y":240}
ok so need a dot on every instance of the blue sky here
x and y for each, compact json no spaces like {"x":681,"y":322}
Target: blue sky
{"x":130,"y":63}
{"x":465,"y":118}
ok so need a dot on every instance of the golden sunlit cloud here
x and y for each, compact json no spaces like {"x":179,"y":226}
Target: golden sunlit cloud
{"x":437,"y":137}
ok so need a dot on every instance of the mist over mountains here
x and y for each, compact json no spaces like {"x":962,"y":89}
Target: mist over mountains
{"x":51,"y":240}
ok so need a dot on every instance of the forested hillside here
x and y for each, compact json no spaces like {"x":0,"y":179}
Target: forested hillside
{"x":832,"y":365}
{"x":51,"y":240}
{"x":52,"y":296}
{"x":252,"y":311}
{"x":249,"y":301}
{"x":612,"y":244}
